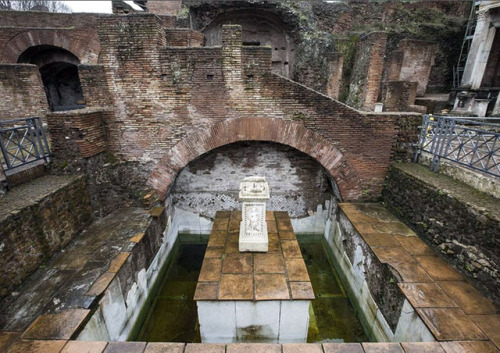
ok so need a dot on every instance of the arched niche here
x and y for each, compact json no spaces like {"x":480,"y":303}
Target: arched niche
{"x":59,"y":71}
{"x":259,"y":28}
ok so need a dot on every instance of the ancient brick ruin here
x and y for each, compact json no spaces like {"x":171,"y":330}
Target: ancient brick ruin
{"x":172,"y":106}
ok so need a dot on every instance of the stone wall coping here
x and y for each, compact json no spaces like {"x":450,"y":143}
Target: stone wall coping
{"x":82,"y":111}
{"x":481,"y":202}
{"x":29,"y":194}
{"x":62,"y":346}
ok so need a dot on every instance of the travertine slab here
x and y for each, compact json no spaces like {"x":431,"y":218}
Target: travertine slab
{"x":249,"y":297}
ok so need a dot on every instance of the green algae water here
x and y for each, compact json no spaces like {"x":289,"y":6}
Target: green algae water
{"x":171,"y":315}
{"x":332,"y":316}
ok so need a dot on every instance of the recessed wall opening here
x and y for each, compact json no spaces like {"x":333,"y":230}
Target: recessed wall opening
{"x":59,"y":71}
{"x":259,"y":28}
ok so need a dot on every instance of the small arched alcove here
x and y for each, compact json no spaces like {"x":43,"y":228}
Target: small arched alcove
{"x":59,"y":71}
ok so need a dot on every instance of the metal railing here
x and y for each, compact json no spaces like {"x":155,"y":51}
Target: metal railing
{"x":466,"y":141}
{"x":22,"y":141}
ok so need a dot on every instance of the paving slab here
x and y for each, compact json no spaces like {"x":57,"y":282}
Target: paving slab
{"x":238,"y":263}
{"x":343,"y":348}
{"x":438,"y":269}
{"x":206,"y":291}
{"x":271,"y":286}
{"x":450,"y":307}
{"x":158,"y":347}
{"x":204,"y":348}
{"x":236,"y":287}
{"x":36,"y":293}
{"x":253,"y":348}
{"x":302,"y":290}
{"x":468,"y":298}
{"x":393,"y":255}
{"x":302,"y":348}
{"x":56,"y":326}
{"x":31,"y":193}
{"x":65,"y":280}
{"x":490,"y":325}
{"x":414,"y":245}
{"x":30,"y":346}
{"x":268,"y":263}
{"x":380,"y":240}
{"x":7,"y":338}
{"x":84,"y":347}
{"x":125,"y":347}
{"x":280,"y":274}
{"x":411,"y":272}
{"x":450,"y":324}
{"x":469,"y":347}
{"x":422,"y":347}
{"x":426,"y":295}
{"x":382,"y":348}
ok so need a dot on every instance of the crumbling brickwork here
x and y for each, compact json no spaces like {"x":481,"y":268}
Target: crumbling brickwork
{"x":186,"y":91}
{"x":75,"y":33}
{"x":94,"y":86}
{"x":368,"y":67}
{"x":79,"y":134}
{"x":22,"y":93}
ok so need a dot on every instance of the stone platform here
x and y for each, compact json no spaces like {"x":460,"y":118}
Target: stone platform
{"x":248,"y":297}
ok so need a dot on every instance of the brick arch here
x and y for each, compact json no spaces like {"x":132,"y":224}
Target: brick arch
{"x":57,"y":38}
{"x":257,"y":129}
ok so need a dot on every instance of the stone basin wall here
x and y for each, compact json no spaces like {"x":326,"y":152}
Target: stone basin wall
{"x":456,"y":220}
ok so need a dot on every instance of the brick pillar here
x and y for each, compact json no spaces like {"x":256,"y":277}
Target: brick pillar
{"x":378,"y":42}
{"x":335,"y":63}
{"x":231,"y":53}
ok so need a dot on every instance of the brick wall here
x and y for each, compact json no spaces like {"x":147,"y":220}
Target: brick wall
{"x":365,"y":84}
{"x":78,"y":134}
{"x":408,"y":127}
{"x":181,"y":37}
{"x":22,"y":92}
{"x":398,"y":95}
{"x":32,"y":233}
{"x":164,"y":7}
{"x":297,"y":182}
{"x":74,"y":32}
{"x":94,"y":86}
{"x":164,"y":96}
{"x":335,"y":65}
